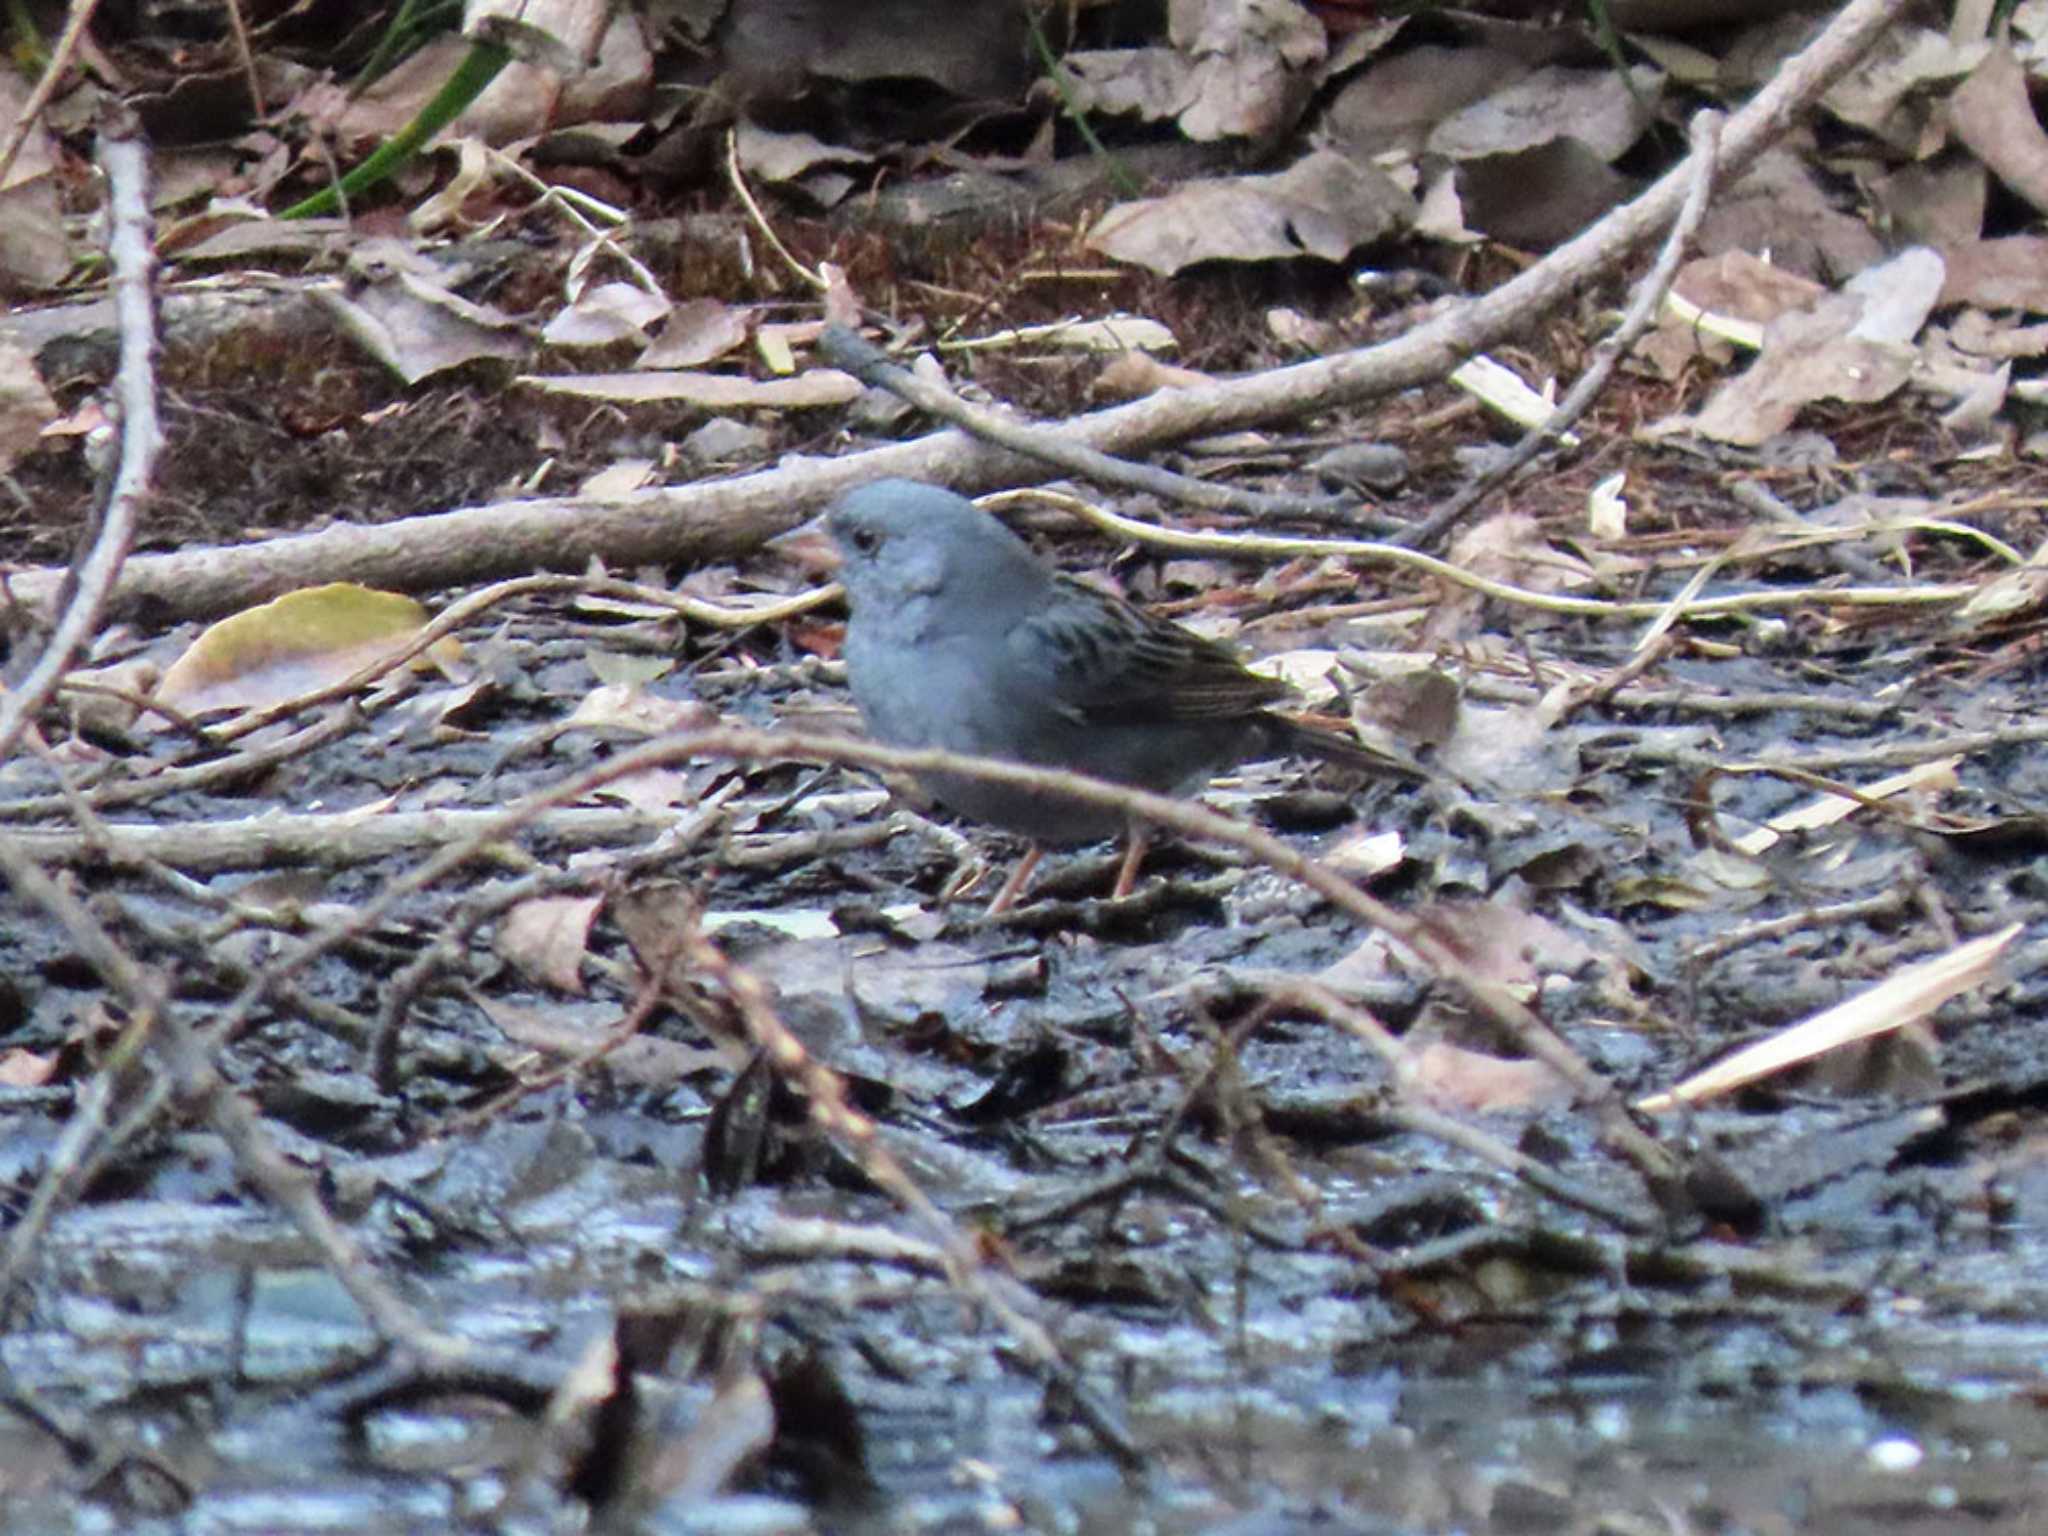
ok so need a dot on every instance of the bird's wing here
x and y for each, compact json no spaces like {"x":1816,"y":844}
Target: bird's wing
{"x":1109,"y":661}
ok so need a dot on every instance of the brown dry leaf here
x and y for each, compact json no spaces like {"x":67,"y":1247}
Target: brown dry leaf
{"x":295,"y":645}
{"x":520,"y":102}
{"x":714,"y":391}
{"x":1291,"y":328}
{"x":1152,"y":84}
{"x":1982,"y":335}
{"x":785,"y":158}
{"x":1136,"y":374}
{"x":35,"y":251}
{"x":1253,"y":65}
{"x":1540,"y":197}
{"x":1492,"y":939}
{"x":1323,"y":205}
{"x":605,"y":314}
{"x":1396,"y":104}
{"x":1512,"y":748}
{"x":617,"y":85}
{"x":577,"y":1029}
{"x":1887,"y":94}
{"x":619,"y":479}
{"x":1362,"y":855}
{"x":1421,"y":706}
{"x":2011,"y":273}
{"x":1507,"y":945}
{"x":696,"y":332}
{"x":26,"y":1069}
{"x":1510,"y":548}
{"x":546,"y":939}
{"x":26,"y":406}
{"x":1778,"y":205}
{"x":1994,"y":118}
{"x":1850,"y":346}
{"x":1235,"y":69}
{"x":1936,"y":202}
{"x":626,"y":707}
{"x":1476,"y":1083}
{"x":1595,"y":107}
{"x":651,"y":789}
{"x":2005,"y":597}
{"x":405,"y":314}
{"x":1744,"y":287}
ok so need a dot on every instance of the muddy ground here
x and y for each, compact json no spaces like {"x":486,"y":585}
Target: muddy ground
{"x":1268,"y":1301}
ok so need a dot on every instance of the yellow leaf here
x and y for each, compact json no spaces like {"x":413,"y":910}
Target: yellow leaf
{"x":293,"y":646}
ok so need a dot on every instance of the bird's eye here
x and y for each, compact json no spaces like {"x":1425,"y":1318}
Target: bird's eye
{"x":865,"y":541}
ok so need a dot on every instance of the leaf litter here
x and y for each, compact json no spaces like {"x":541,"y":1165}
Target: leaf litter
{"x":1186,"y":1179}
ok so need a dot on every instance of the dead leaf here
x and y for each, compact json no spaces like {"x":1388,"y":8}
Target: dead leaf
{"x":1323,"y":205}
{"x":1594,"y":106}
{"x":1778,"y":205}
{"x":1136,"y":374}
{"x":1850,"y":346}
{"x":1538,"y":198}
{"x":605,"y":314}
{"x":1252,"y":65}
{"x":695,"y":333}
{"x":1475,"y":1083}
{"x":2010,"y":273}
{"x":713,"y":391}
{"x":35,"y":249}
{"x":626,"y":707}
{"x":402,"y":311}
{"x":547,"y":937}
{"x":26,"y":1069}
{"x":26,"y":406}
{"x":1901,"y":999}
{"x":294,"y":645}
{"x":1394,"y":105}
{"x":786,"y":157}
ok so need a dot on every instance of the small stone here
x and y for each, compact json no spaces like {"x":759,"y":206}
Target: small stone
{"x":1363,"y":466}
{"x":722,"y":440}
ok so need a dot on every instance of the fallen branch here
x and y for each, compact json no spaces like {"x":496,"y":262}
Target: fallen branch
{"x":701,"y":524}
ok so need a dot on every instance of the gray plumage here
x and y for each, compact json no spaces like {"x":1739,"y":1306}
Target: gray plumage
{"x":961,"y":637}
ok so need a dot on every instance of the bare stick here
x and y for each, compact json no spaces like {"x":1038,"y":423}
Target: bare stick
{"x":718,"y":520}
{"x":195,"y":1084}
{"x":131,"y":255}
{"x":1649,"y":299}
{"x":844,"y":348}
{"x":1423,"y":1120}
{"x":1438,"y":949}
{"x":60,"y":60}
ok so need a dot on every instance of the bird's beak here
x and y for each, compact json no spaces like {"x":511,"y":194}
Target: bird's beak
{"x":810,"y":545}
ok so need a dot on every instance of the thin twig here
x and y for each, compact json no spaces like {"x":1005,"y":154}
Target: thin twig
{"x":1437,"y":949}
{"x":1254,"y":546}
{"x":844,"y":348}
{"x":1325,"y":1004}
{"x":195,"y":1085}
{"x":1649,"y":299}
{"x":53,"y":74}
{"x":131,"y":257}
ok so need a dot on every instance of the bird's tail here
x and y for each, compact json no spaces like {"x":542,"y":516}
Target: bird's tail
{"x":1289,"y":735}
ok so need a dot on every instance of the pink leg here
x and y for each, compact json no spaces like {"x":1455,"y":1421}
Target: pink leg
{"x":1014,"y":886}
{"x":1134,"y":855}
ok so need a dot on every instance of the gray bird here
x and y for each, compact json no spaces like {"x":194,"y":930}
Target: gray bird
{"x":961,"y":637}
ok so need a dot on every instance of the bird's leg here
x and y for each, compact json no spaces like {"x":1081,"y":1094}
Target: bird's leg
{"x":1014,"y":886}
{"x":1134,"y":854}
